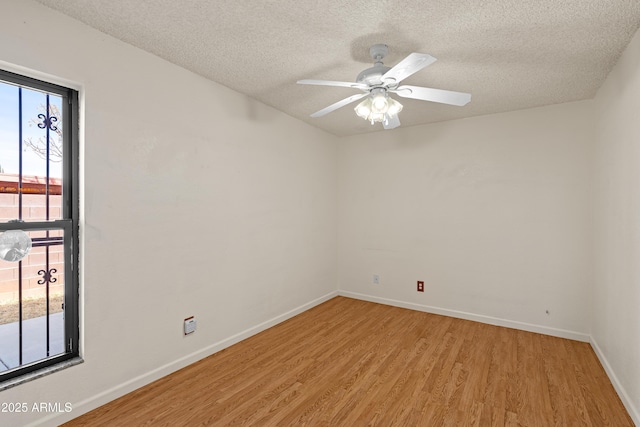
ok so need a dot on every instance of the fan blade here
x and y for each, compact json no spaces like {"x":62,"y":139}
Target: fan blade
{"x":434,"y":95}
{"x":392,"y":122}
{"x":409,"y":65}
{"x":339,"y":104}
{"x":333,"y":83}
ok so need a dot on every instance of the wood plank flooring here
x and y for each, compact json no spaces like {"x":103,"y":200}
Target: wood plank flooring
{"x":354,"y":363}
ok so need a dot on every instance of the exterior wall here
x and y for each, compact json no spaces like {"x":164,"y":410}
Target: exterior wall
{"x":34,"y":208}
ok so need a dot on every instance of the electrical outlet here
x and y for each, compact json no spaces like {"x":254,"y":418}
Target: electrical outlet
{"x":420,"y":286}
{"x":189,"y":325}
{"x":376,"y":279}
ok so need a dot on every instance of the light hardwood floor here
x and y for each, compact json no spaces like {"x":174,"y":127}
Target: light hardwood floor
{"x":354,"y":363}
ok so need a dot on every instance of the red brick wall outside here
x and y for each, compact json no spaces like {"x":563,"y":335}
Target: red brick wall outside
{"x":34,"y":209}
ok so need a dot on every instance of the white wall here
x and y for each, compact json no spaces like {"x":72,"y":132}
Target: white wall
{"x":492,"y":212}
{"x":197,"y":201}
{"x":616,"y":310}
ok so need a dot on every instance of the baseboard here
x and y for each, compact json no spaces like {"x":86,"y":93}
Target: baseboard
{"x":634,"y":412}
{"x":113,"y":393}
{"x":561,"y":333}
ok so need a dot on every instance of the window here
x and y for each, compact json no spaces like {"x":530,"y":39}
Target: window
{"x":38,"y":225}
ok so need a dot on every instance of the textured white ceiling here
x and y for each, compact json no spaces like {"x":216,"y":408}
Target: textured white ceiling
{"x":510,"y":54}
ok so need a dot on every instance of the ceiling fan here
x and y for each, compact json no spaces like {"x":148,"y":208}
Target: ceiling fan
{"x":378,"y":81}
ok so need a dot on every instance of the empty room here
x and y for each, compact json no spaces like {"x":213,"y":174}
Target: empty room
{"x":336,"y":213}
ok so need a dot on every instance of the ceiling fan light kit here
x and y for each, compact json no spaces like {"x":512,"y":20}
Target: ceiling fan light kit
{"x":378,"y":81}
{"x":379,"y":107}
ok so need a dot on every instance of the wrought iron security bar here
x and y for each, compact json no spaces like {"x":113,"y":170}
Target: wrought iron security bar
{"x":38,"y":196}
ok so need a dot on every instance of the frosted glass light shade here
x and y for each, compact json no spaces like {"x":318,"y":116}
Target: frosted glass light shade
{"x":394,"y":107}
{"x":364,"y":108}
{"x":14,"y":245}
{"x":373,"y":113}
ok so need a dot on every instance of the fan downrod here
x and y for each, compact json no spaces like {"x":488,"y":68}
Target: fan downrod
{"x":372,"y":76}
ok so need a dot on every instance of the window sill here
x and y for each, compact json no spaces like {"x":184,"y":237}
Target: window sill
{"x":40,"y":373}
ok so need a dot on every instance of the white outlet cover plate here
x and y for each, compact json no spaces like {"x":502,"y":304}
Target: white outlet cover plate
{"x":189,"y":325}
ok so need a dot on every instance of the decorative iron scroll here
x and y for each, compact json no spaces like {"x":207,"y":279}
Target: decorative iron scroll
{"x":48,"y":122}
{"x":47,"y":276}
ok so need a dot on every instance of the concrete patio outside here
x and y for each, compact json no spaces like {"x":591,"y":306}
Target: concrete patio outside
{"x":34,"y":337}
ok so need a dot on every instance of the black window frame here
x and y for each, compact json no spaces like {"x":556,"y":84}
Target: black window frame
{"x":69,"y":222}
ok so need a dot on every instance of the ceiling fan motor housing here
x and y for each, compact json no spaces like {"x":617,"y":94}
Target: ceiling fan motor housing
{"x":372,"y":76}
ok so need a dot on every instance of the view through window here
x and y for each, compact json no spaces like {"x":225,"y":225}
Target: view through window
{"x":38,"y":224}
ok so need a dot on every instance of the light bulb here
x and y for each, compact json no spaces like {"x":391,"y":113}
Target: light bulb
{"x":379,"y":103}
